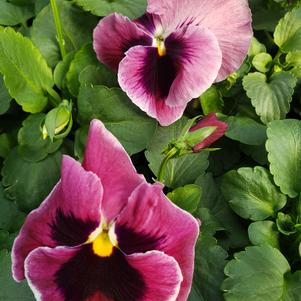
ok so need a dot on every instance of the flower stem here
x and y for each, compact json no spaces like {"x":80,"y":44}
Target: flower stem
{"x":58,"y":26}
{"x":163,"y":164}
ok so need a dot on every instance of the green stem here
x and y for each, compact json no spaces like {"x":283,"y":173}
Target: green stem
{"x":55,"y":97}
{"x":58,"y":26}
{"x":163,"y":164}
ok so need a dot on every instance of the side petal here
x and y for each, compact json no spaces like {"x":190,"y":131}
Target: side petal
{"x":210,"y":120}
{"x":67,"y":217}
{"x":77,"y":274}
{"x":107,"y":158}
{"x":151,"y":221}
{"x":163,"y":85}
{"x":113,"y":36}
{"x":229,"y":20}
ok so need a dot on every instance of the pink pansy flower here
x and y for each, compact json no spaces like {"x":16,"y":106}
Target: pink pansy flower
{"x":175,"y":51}
{"x":104,"y":234}
{"x":208,"y":121}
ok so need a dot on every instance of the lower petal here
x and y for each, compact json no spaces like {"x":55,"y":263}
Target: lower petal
{"x":77,"y":274}
{"x":146,"y":78}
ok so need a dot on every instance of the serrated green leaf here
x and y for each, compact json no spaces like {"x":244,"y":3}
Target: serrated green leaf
{"x":251,"y":193}
{"x":245,"y":130}
{"x":77,"y":28}
{"x":186,"y":197}
{"x":264,"y":233}
{"x":84,"y":57}
{"x":255,"y":48}
{"x":210,"y":260}
{"x":131,"y":8}
{"x":287,"y":34}
{"x":9,"y":289}
{"x":26,"y":74}
{"x":11,"y":14}
{"x":256,"y":274}
{"x":270,"y":98}
{"x":130,"y":125}
{"x":211,"y":100}
{"x":293,"y":287}
{"x":28,"y":183}
{"x":179,"y":171}
{"x":32,"y":146}
{"x":284,"y":154}
{"x":5,"y":98}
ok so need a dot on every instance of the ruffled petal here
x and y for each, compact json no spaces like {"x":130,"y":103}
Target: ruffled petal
{"x":229,"y":20}
{"x":163,"y":85}
{"x":210,"y":120}
{"x":67,"y":217}
{"x":151,"y":221}
{"x":114,"y":35}
{"x":106,"y":157}
{"x":77,"y":274}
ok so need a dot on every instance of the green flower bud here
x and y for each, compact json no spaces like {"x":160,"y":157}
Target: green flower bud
{"x":262,"y":62}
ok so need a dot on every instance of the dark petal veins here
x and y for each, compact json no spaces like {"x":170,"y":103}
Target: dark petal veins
{"x":159,"y":73}
{"x":70,"y":231}
{"x":131,"y":242}
{"x":87,"y":275}
{"x":146,"y":23}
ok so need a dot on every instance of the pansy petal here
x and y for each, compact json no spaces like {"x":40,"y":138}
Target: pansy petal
{"x":152,"y":222}
{"x":107,"y":158}
{"x":229,"y":20}
{"x":79,"y":275}
{"x":114,"y":35}
{"x":163,"y":85}
{"x":67,"y":217}
{"x":210,"y":120}
{"x":198,"y":57}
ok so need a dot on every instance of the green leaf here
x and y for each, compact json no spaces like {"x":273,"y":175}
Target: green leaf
{"x":285,"y":224}
{"x":11,"y":218}
{"x":77,"y":28}
{"x":270,"y":98}
{"x":264,"y":233}
{"x":9,"y":289}
{"x":186,"y":197}
{"x":11,"y":14}
{"x":130,"y":125}
{"x":179,"y":171}
{"x":26,"y":74}
{"x":211,"y":100}
{"x":131,"y":8}
{"x":84,"y":57}
{"x":98,"y":75}
{"x":5,"y":98}
{"x":245,"y":130}
{"x":32,"y":146}
{"x":80,"y":141}
{"x":7,"y":239}
{"x":210,"y":261}
{"x":28,"y":183}
{"x":257,"y":152}
{"x":293,"y":290}
{"x":234,"y":234}
{"x":284,"y":154}
{"x":251,"y":193}
{"x":256,"y":274}
{"x":287,"y":34}
{"x":256,"y":48}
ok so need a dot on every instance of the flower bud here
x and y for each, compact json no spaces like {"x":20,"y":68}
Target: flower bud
{"x":58,"y":121}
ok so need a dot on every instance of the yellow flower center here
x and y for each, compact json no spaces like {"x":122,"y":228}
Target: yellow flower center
{"x":158,"y":42}
{"x":103,"y":241}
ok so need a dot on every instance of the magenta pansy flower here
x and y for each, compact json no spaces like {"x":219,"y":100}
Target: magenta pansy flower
{"x":209,"y":120}
{"x":104,"y":234}
{"x":175,"y":51}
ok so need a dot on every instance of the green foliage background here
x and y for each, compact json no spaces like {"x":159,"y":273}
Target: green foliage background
{"x":247,"y":194}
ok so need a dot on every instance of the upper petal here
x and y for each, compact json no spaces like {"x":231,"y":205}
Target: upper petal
{"x":77,"y":274}
{"x":106,"y":157}
{"x":67,"y":217}
{"x":229,"y":20}
{"x":151,"y":221}
{"x":114,"y":35}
